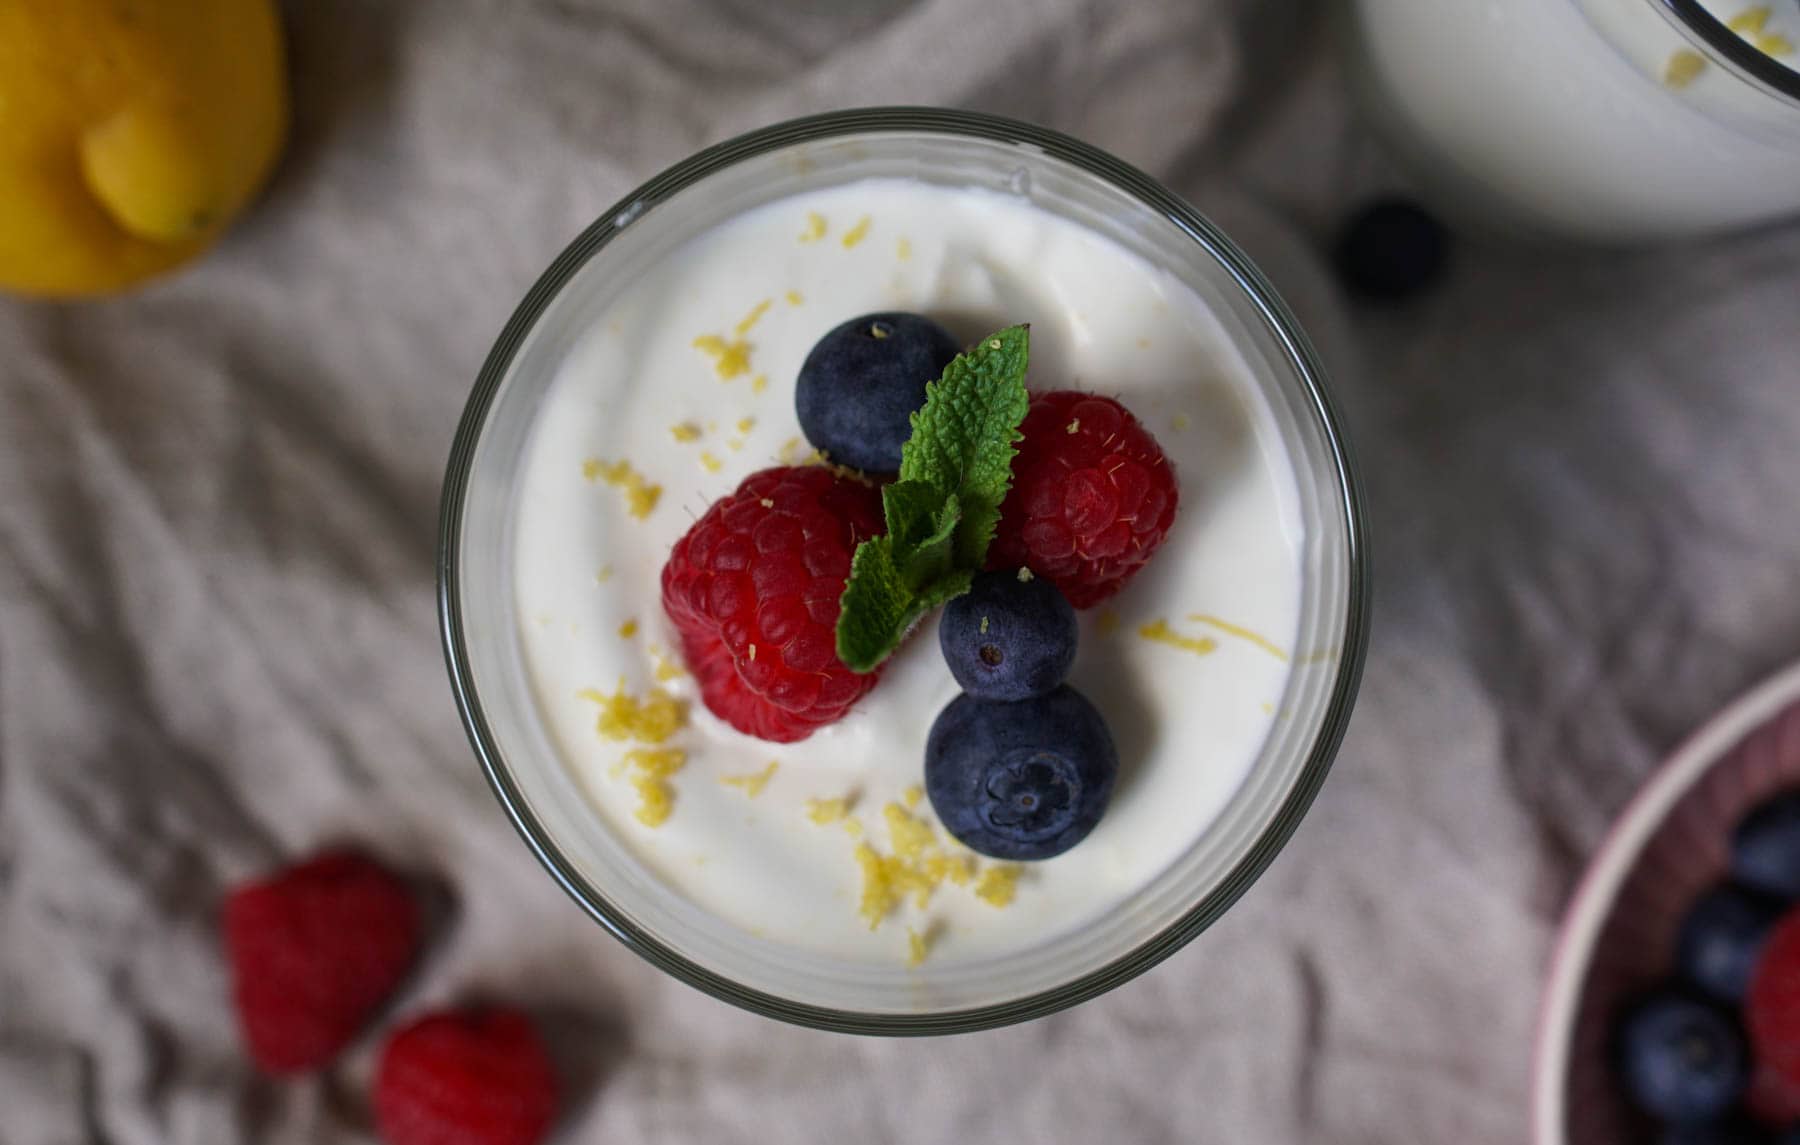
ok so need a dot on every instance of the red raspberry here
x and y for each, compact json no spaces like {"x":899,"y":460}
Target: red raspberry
{"x":1772,"y":1098}
{"x":1092,"y":497}
{"x":1772,"y":1007}
{"x":315,"y":950}
{"x":753,"y":588}
{"x":471,"y":1077}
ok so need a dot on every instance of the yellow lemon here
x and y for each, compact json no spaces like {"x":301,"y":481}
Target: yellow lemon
{"x":131,"y":133}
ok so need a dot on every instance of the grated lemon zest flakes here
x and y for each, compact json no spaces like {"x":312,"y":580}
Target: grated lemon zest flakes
{"x":710,"y":463}
{"x":667,"y":668}
{"x":790,"y":451}
{"x":651,"y":768}
{"x":1774,"y":45}
{"x":624,"y":716}
{"x":1179,"y":423}
{"x":749,"y":321}
{"x":759,"y":383}
{"x":628,"y":629}
{"x":815,"y":227}
{"x":1683,"y":68}
{"x":911,"y":796}
{"x":910,"y":837}
{"x":957,"y":870}
{"x":823,"y":811}
{"x":1159,"y":632}
{"x":1241,"y":633}
{"x":916,"y":947}
{"x":998,"y":885}
{"x":903,"y":249}
{"x":857,"y":233}
{"x":1750,"y":20}
{"x":795,"y":298}
{"x":752,"y":784}
{"x":640,"y":495}
{"x":730,"y":357}
{"x":685,"y":431}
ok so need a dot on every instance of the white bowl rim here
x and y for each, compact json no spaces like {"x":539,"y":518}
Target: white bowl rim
{"x":1599,"y":886}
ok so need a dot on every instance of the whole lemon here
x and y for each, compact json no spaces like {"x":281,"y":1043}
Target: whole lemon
{"x":131,"y":133}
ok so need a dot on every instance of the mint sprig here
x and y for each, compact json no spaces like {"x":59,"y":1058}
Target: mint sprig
{"x":941,"y":513}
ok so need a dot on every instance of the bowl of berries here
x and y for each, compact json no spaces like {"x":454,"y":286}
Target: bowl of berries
{"x":901,"y":571}
{"x":1672,"y":1013}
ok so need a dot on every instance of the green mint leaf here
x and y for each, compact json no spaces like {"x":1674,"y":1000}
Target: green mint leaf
{"x":875,"y":609}
{"x":934,"y":556}
{"x":911,"y":508}
{"x":943,"y":590}
{"x":941,"y":514}
{"x":963,"y":438}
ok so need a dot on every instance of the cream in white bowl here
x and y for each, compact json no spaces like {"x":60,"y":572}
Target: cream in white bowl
{"x":1601,"y":119}
{"x":687,"y":377}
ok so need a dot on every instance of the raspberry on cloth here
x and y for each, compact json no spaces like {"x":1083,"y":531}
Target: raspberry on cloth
{"x":315,"y":950}
{"x":479,"y":1076}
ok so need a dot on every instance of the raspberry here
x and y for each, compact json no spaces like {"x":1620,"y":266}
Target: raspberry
{"x":470,"y":1077}
{"x":753,"y":589}
{"x":1092,"y":497}
{"x":314,"y":952}
{"x":1772,"y":1008}
{"x":1772,"y":1098}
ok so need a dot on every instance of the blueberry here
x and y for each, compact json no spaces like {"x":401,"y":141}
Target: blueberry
{"x":1765,"y":849}
{"x":861,"y":383}
{"x":1681,"y":1059}
{"x":1391,"y":250}
{"x":1025,"y":779}
{"x":1007,"y":639}
{"x":1734,"y":1129}
{"x":1721,"y":937}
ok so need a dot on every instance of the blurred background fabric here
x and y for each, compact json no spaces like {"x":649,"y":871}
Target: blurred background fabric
{"x":218,"y":648}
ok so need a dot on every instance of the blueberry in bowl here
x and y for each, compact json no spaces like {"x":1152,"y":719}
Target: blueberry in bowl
{"x":861,"y":383}
{"x":1008,"y":638}
{"x":1025,"y":779}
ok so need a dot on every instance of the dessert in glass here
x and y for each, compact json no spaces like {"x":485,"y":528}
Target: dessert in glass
{"x":647,"y":595}
{"x":1608,"y":120}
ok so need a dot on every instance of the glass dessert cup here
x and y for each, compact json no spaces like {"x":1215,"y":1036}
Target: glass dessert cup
{"x":1613,"y":121}
{"x":599,"y":870}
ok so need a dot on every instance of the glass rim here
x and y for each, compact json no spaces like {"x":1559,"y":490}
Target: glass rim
{"x":1736,"y":50}
{"x":1300,"y":356}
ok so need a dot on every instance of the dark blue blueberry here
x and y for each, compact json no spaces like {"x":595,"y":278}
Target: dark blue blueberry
{"x":1007,"y":639}
{"x":1391,"y":250}
{"x":861,"y":383}
{"x":1721,"y":937}
{"x":1735,"y":1129}
{"x":1765,"y":849}
{"x":1025,"y":779}
{"x":1682,"y":1059}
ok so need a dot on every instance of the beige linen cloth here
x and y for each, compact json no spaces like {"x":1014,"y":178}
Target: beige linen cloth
{"x":218,"y":650}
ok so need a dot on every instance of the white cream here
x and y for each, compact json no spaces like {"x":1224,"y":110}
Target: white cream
{"x":1188,"y":726}
{"x":1591,"y":117}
